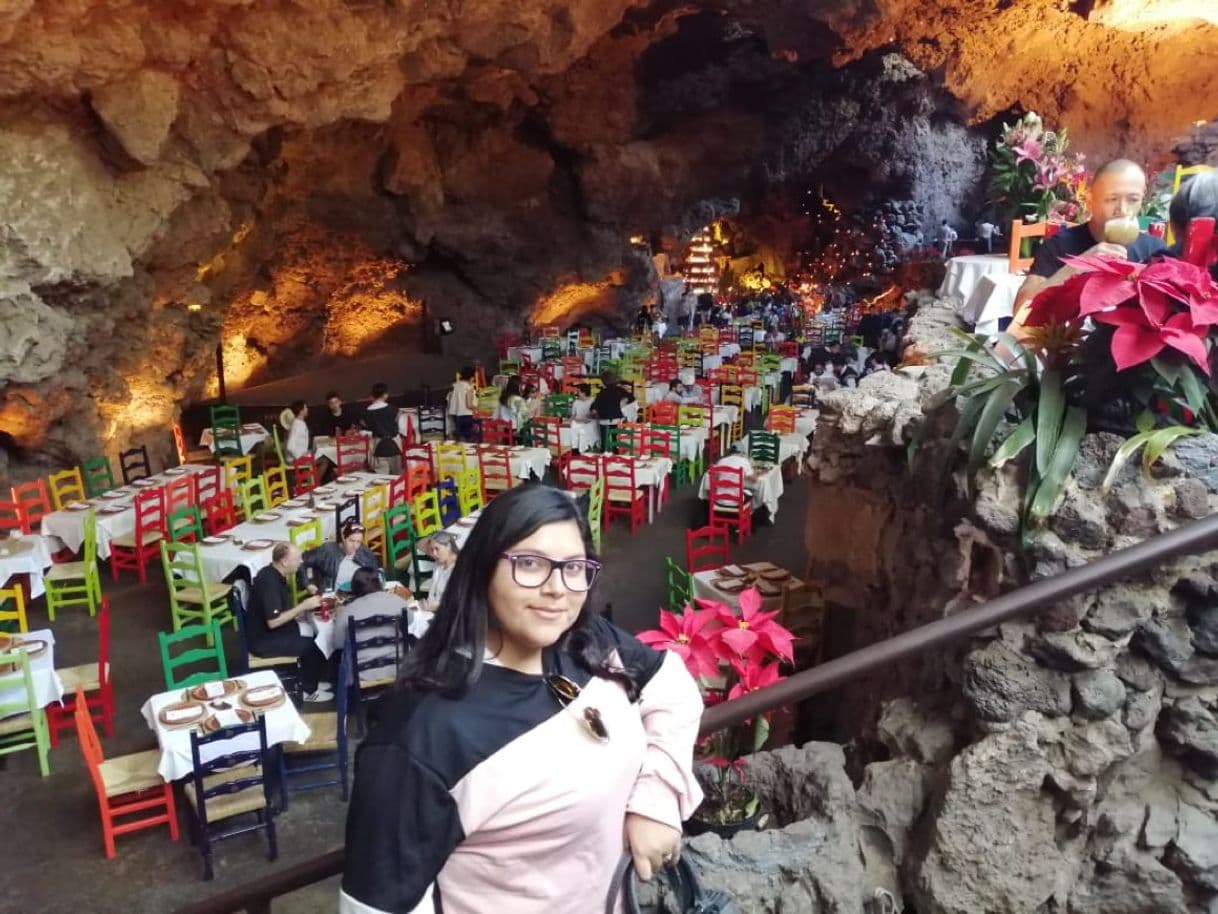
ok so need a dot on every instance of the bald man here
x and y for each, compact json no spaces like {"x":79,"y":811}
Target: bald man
{"x":1116,"y":191}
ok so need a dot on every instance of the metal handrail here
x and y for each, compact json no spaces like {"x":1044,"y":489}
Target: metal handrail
{"x":1199,"y":536}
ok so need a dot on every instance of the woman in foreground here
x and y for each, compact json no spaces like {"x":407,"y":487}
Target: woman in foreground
{"x":530,"y":743}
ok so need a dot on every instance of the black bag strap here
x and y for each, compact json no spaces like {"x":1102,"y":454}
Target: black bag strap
{"x":680,"y":877}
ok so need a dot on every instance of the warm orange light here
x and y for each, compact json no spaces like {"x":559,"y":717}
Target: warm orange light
{"x":1139,"y":15}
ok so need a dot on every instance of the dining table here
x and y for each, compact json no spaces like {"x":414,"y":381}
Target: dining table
{"x":25,"y":554}
{"x":992,"y":299}
{"x":115,"y":512}
{"x":252,"y":434}
{"x":284,"y":724}
{"x":961,"y":274}
{"x":39,"y":646}
{"x":705,"y":585}
{"x":791,"y":445}
{"x":763,"y":482}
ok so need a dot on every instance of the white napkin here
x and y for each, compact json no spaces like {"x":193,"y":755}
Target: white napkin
{"x":228,"y":718}
{"x":262,"y":693}
{"x":213,"y":689}
{"x":177,"y":715}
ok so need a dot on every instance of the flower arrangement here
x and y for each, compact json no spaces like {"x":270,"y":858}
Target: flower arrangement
{"x":1117,"y":341}
{"x":1032,"y":174}
{"x":729,"y":655}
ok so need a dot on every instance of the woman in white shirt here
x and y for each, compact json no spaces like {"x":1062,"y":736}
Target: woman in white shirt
{"x":297,"y":444}
{"x":461,"y":402}
{"x":581,"y":406}
{"x":511,"y":404}
{"x":443,"y":549}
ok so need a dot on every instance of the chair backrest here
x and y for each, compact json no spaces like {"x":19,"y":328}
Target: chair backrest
{"x":13,"y":517}
{"x":352,"y":452}
{"x":304,"y":475}
{"x":278,"y":444}
{"x":181,"y":492}
{"x":90,"y":744}
{"x":1019,"y":231}
{"x":426,"y":509}
{"x":66,"y":486}
{"x":550,"y":429}
{"x":488,"y":399}
{"x":495,"y":470}
{"x":184,"y":525}
{"x":632,"y":438}
{"x":12,"y":608}
{"x":229,"y":752}
{"x":1200,"y":245}
{"x":226,"y":414}
{"x":179,"y":444}
{"x":727,"y":486}
{"x":99,"y":477}
{"x":347,"y":510}
{"x":253,"y":497}
{"x":134,"y":464}
{"x":497,"y":431}
{"x":207,"y":484}
{"x":666,"y":412}
{"x":375,"y":645}
{"x":558,"y":405}
{"x":731,"y":395}
{"x":308,"y":535}
{"x":450,"y":460}
{"x":581,"y":471}
{"x":596,"y":510}
{"x":373,"y":503}
{"x":149,"y":513}
{"x":706,"y":548}
{"x":211,"y":657}
{"x":448,"y":500}
{"x":17,"y":693}
{"x":763,"y":446}
{"x":220,"y":511}
{"x":692,"y":414}
{"x":276,"y":484}
{"x":399,"y":534}
{"x":237,"y":470}
{"x":34,"y":501}
{"x":781,"y":419}
{"x":469,"y":490}
{"x":680,"y":588}
{"x":618,"y":473}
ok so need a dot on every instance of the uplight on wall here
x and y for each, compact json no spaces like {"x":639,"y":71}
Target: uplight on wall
{"x":1139,"y":15}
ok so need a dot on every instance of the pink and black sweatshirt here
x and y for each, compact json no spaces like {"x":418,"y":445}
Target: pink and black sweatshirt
{"x":502,"y":802}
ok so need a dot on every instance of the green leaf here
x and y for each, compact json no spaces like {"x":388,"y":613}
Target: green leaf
{"x":1145,"y":421}
{"x":1061,"y":462}
{"x":1015,"y":442}
{"x":1048,"y":418}
{"x":1018,"y":350}
{"x":985,"y":385}
{"x":1160,"y":440}
{"x":1194,"y":394}
{"x":1167,"y":370}
{"x":1121,"y":457}
{"x":761,"y":732}
{"x":996,"y":404}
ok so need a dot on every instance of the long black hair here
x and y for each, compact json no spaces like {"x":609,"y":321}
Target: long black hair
{"x":448,"y":659}
{"x":510,"y":389}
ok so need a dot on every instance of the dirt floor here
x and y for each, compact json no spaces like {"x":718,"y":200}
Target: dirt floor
{"x":52,"y":824}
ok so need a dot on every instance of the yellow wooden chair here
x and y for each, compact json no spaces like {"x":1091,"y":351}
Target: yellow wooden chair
{"x":253,"y":497}
{"x":238,"y":470}
{"x":277,"y":491}
{"x":308,"y":535}
{"x":373,"y":504}
{"x":426,"y":510}
{"x":12,"y":608}
{"x":469,"y":491}
{"x":66,"y":486}
{"x":733,"y":395}
{"x":450,"y":460}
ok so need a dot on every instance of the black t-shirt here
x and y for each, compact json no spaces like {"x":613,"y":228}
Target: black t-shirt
{"x":269,"y":597}
{"x":1078,"y":238}
{"x":608,"y":403}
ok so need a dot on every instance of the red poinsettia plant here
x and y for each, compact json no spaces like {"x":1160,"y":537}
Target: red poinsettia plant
{"x":729,"y":653}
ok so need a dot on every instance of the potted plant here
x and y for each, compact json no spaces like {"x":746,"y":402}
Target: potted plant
{"x":1033,"y":176}
{"x":1118,"y":346}
{"x":729,"y":654}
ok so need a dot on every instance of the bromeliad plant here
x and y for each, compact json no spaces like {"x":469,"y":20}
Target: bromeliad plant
{"x":729,"y":654}
{"x":1115,"y":337}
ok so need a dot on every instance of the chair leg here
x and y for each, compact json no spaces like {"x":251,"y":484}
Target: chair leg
{"x":171,"y":811}
{"x":108,"y":834}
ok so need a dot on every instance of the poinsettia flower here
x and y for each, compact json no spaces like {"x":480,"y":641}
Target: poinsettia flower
{"x":686,"y":636}
{"x":1139,"y":337}
{"x":1108,"y":281}
{"x":755,"y":677}
{"x":752,"y":633}
{"x":1056,"y":304}
{"x":1186,"y":283}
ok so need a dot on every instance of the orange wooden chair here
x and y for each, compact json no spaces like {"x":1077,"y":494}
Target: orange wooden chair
{"x":1019,"y":231}
{"x":135,"y":550}
{"x":34,"y":502}
{"x":663,"y":413}
{"x":781,"y":419}
{"x":125,"y":785}
{"x":419,"y":477}
{"x":92,"y":680}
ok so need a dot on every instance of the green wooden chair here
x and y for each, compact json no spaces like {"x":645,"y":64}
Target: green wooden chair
{"x":680,"y":585}
{"x":401,"y":546}
{"x":23,"y":724}
{"x":596,"y":509}
{"x":508,"y":367}
{"x":226,"y":430}
{"x":76,"y":583}
{"x":193,"y":598}
{"x":558,"y":405}
{"x":175,"y":654}
{"x":185,"y":525}
{"x":99,"y":476}
{"x":253,"y":497}
{"x":682,"y":470}
{"x":304,"y":536}
{"x":283,"y":461}
{"x":763,"y":446}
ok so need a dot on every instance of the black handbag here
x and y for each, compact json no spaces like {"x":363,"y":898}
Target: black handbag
{"x":680,"y":879}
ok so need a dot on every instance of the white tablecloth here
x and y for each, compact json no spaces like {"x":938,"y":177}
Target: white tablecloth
{"x":582,"y":436}
{"x":790,"y":445}
{"x":805,"y":421}
{"x":790,"y":364}
{"x":251,"y":436}
{"x":283,"y":725}
{"x":964,"y":272}
{"x":992,"y":299}
{"x":533,"y":352}
{"x":705,"y":589}
{"x":67,"y":528}
{"x":25,"y":555}
{"x":650,"y":472}
{"x":222,"y":559}
{"x":766,"y":489}
{"x":525,"y":462}
{"x":47,"y":686}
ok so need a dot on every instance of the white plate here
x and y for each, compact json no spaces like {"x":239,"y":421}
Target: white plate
{"x":214,"y":540}
{"x":77,"y":506}
{"x":267,"y":516}
{"x":346,"y":479}
{"x":258,"y":544}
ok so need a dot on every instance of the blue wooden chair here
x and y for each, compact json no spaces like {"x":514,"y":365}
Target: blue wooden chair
{"x":326,"y":747}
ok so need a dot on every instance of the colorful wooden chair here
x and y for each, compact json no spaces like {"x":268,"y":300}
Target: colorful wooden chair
{"x":23,"y":723}
{"x":253,"y":497}
{"x":426,"y":510}
{"x":624,"y":497}
{"x":495,"y":470}
{"x":181,"y":492}
{"x":304,"y":475}
{"x":680,"y":586}
{"x":730,"y":503}
{"x":87,"y":682}
{"x":238,"y":470}
{"x":192,"y":597}
{"x":220,"y":513}
{"x":76,"y":583}
{"x":184,"y":525}
{"x":34,"y":502}
{"x":176,"y":654}
{"x":136,"y":549}
{"x":12,"y":609}
{"x":706,"y":549}
{"x":99,"y":477}
{"x":276,"y":484}
{"x":134,"y":464}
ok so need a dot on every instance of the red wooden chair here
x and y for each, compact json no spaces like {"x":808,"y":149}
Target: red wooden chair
{"x":730,"y":503}
{"x":34,"y":501}
{"x":125,"y":785}
{"x":220,"y":512}
{"x":90,"y":680}
{"x":581,"y":471}
{"x":662,"y":413}
{"x":135,"y":550}
{"x":397,"y":490}
{"x":632,"y":438}
{"x":1200,"y":246}
{"x":181,"y":492}
{"x":13,"y":517}
{"x":304,"y":475}
{"x":549,"y":430}
{"x":419,"y":477}
{"x":494,"y":472}
{"x":352,"y":453}
{"x":207,"y":483}
{"x":497,"y":431}
{"x":788,"y":349}
{"x":706,"y":549}
{"x":623,"y":495}
{"x":420,"y":453}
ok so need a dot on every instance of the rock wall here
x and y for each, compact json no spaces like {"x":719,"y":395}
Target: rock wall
{"x":1063,"y":763}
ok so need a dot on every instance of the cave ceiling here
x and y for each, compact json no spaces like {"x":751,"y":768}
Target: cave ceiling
{"x":310,"y":176}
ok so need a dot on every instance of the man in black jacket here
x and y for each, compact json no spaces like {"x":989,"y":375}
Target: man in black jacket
{"x":271,"y":621}
{"x":382,"y":420}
